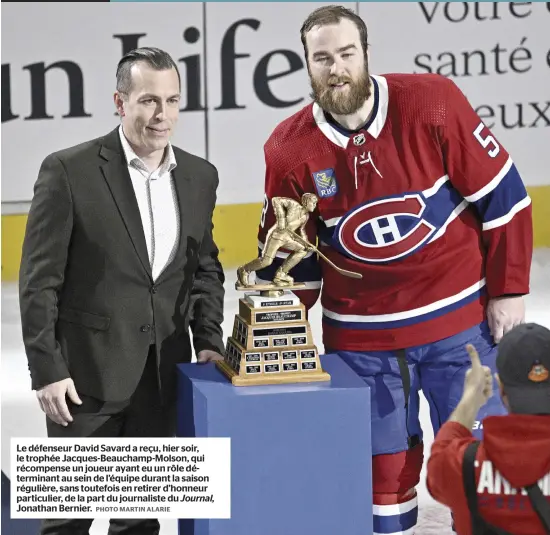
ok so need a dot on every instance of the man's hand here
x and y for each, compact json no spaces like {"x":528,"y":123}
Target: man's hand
{"x":504,"y":313}
{"x":52,"y":400}
{"x":478,"y":388}
{"x":207,"y":355}
{"x":478,"y":384}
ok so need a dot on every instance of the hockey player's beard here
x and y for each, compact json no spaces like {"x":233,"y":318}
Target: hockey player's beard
{"x":338,"y":102}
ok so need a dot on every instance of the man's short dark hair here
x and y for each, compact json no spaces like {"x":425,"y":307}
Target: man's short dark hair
{"x":154,"y":57}
{"x":326,"y":15}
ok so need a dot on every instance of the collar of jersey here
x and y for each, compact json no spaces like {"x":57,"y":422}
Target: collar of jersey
{"x":374,"y":126}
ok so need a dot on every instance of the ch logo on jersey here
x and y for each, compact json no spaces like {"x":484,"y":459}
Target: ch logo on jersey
{"x":325,"y":182}
{"x":386,"y":229}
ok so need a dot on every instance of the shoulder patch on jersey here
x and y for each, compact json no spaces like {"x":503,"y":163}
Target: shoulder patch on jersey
{"x":325,"y":182}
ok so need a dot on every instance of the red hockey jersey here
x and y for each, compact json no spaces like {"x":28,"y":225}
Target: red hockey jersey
{"x":423,"y":201}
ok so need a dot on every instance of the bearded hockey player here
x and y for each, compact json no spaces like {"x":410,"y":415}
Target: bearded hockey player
{"x":417,"y":195}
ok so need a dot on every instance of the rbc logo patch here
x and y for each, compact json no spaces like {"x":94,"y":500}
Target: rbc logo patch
{"x":325,"y":182}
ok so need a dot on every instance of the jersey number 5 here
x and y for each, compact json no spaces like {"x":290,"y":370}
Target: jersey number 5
{"x":486,"y":141}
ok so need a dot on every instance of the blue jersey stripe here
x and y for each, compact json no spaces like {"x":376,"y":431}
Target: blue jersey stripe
{"x":500,"y":201}
{"x":395,"y":324}
{"x":395,"y":523}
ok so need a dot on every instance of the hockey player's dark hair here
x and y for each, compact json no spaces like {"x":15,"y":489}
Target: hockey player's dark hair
{"x":326,"y":15}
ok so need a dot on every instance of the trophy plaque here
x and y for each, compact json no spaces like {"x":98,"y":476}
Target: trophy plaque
{"x":271,"y":341}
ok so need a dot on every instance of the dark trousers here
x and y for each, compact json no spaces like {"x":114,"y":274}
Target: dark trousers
{"x":143,"y":415}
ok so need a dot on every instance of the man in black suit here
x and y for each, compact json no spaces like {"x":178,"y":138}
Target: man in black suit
{"x":118,"y":264}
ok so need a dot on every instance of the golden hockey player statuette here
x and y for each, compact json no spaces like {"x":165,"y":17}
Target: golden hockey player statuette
{"x":271,"y":342}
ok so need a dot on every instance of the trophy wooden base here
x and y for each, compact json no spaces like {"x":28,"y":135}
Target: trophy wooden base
{"x":241,"y":380}
{"x":271,"y":343}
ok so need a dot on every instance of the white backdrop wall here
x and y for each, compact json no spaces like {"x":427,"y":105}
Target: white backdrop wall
{"x":243,"y":71}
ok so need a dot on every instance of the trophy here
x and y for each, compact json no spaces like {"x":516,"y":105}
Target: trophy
{"x":271,"y":342}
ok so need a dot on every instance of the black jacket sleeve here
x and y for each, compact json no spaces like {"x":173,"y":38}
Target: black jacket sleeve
{"x":208,"y":291}
{"x":41,"y":273}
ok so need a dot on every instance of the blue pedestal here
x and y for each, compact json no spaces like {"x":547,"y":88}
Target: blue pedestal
{"x":15,"y":526}
{"x":300,"y":453}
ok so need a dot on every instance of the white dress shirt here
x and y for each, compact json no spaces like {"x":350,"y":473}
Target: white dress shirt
{"x":158,"y":206}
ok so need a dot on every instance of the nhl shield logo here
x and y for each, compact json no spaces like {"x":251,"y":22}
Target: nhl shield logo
{"x":325,"y":182}
{"x":359,"y":139}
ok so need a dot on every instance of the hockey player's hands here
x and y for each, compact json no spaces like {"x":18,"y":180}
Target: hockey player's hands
{"x":478,"y":384}
{"x":504,"y":313}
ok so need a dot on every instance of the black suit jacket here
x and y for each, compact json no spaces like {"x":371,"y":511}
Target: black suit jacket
{"x":88,"y":301}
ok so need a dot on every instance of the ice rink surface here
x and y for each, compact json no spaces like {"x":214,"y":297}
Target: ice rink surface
{"x":21,"y":416}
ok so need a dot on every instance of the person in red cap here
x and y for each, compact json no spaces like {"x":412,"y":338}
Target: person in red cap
{"x":500,"y":485}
